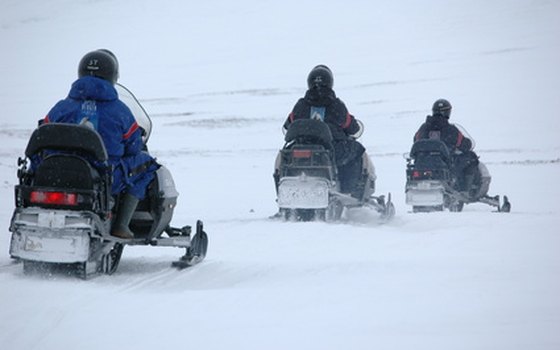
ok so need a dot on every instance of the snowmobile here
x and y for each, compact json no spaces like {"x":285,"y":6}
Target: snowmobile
{"x":306,"y":178}
{"x":64,"y":207}
{"x":433,"y":185}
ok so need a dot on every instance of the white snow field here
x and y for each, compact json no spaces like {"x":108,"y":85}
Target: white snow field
{"x":219,"y":78}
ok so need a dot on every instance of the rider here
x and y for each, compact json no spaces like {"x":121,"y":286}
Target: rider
{"x":93,"y":101}
{"x":437,"y":126}
{"x":320,"y":102}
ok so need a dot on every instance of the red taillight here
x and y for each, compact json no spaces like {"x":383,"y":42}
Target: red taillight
{"x":420,"y":174}
{"x":302,"y":153}
{"x":59,"y":198}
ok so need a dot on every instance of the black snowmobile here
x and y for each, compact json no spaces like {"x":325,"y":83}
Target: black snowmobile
{"x":64,"y":207}
{"x":306,"y":177}
{"x":432,"y":183}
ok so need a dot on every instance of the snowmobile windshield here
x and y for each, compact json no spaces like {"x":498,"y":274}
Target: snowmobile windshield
{"x":137,"y":110}
{"x":466,"y":134}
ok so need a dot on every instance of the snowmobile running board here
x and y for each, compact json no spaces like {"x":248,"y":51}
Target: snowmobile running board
{"x":385,"y":208}
{"x":495,"y":202}
{"x":195,"y":247}
{"x":505,"y":207}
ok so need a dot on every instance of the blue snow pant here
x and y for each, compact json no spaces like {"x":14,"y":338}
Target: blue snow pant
{"x":133,"y":174}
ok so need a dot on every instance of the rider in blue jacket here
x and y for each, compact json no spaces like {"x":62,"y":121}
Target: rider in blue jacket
{"x":93,"y":101}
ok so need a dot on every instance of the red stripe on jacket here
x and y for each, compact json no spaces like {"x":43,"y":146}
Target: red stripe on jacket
{"x":459,"y":139}
{"x":348,"y":121}
{"x":131,"y":131}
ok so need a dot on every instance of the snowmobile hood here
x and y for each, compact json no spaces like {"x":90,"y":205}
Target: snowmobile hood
{"x":92,"y":88}
{"x":322,"y":96}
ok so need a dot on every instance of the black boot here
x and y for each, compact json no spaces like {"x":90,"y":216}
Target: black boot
{"x":350,"y":177}
{"x":127,"y":206}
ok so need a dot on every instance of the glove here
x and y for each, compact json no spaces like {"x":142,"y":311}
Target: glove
{"x":360,"y":131}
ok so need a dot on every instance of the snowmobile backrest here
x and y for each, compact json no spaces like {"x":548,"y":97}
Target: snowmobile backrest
{"x":67,"y":137}
{"x":65,"y":171}
{"x":309,"y":131}
{"x":430,"y":147}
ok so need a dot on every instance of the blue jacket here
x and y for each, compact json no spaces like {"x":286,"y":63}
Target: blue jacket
{"x":94,"y":101}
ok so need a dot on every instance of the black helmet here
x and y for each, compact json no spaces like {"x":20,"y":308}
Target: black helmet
{"x":320,"y":75}
{"x":101,"y":64}
{"x":442,"y":107}
{"x":114,"y":57}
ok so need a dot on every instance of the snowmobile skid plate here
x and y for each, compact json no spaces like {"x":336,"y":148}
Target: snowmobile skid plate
{"x":303,"y":192}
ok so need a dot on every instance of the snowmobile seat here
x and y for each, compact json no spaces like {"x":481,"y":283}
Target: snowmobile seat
{"x":67,"y":138}
{"x":430,"y":154}
{"x":309,"y":131}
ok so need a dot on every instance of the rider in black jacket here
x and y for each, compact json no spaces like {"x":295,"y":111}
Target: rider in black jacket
{"x":437,"y":126}
{"x":320,"y":102}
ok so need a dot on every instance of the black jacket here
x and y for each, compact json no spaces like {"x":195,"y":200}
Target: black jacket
{"x":438,"y":127}
{"x":322,"y":103}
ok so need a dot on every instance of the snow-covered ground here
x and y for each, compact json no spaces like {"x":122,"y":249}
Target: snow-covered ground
{"x":218,"y":79}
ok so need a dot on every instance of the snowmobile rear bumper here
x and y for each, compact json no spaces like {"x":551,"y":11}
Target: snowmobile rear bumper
{"x":425,"y":193}
{"x":59,"y":236}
